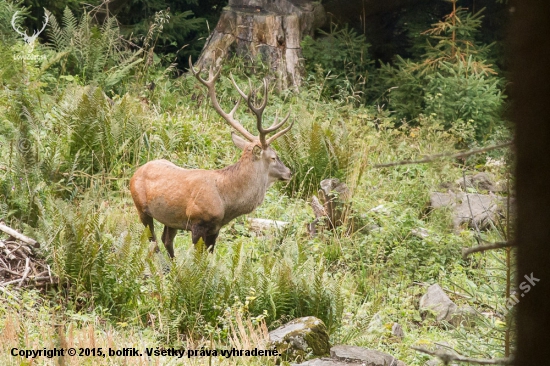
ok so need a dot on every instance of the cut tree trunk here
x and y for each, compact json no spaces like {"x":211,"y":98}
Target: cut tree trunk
{"x":333,"y":207}
{"x":530,"y":92}
{"x":270,"y":29}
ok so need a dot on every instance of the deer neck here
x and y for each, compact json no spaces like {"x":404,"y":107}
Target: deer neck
{"x":242,"y":186}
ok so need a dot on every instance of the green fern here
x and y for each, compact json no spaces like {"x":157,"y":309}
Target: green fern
{"x":92,"y":52}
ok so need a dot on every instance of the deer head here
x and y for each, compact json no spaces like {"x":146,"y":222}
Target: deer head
{"x":258,"y":145}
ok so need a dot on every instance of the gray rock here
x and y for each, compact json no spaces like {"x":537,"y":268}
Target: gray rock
{"x":464,"y":316}
{"x":480,"y":181}
{"x":420,"y":233}
{"x":433,"y":362}
{"x":367,"y":357}
{"x":475,"y":210}
{"x":436,"y":300}
{"x":328,"y":362}
{"x":397,"y":330}
{"x":297,"y":338}
{"x":376,"y":325}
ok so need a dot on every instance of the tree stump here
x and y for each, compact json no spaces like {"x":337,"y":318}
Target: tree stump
{"x":333,"y":207}
{"x":271,"y":29}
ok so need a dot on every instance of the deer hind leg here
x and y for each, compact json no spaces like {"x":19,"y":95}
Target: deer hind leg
{"x":168,"y":236}
{"x":148,"y":222}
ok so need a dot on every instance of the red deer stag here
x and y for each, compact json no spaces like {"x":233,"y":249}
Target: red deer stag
{"x":202,"y":201}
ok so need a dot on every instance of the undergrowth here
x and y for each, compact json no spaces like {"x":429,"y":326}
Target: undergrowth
{"x":69,"y":148}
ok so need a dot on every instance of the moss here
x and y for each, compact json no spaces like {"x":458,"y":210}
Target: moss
{"x":310,"y":338}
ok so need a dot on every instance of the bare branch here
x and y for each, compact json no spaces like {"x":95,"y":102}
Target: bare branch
{"x":481,"y":248}
{"x":26,"y":273}
{"x":8,"y":230}
{"x":449,"y":155}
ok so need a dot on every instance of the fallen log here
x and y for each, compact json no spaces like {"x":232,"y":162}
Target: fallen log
{"x":16,"y":235}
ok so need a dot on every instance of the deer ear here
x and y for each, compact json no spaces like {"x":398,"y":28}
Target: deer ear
{"x":238,"y":141}
{"x":256,"y":152}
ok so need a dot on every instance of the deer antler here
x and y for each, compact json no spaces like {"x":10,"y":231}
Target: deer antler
{"x":230,"y":117}
{"x":210,"y":85}
{"x":258,"y":111}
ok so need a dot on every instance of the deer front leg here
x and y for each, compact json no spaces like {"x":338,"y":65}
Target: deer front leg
{"x":210,"y":241}
{"x":204,"y":231}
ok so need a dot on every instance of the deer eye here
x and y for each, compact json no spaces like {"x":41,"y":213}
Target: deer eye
{"x":274,"y":159}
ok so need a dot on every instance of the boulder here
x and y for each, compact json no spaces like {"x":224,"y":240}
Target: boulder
{"x":299,"y":337}
{"x":464,"y":316}
{"x":436,"y":301}
{"x":354,"y":356}
{"x":328,"y":362}
{"x":397,"y":331}
{"x":473,"y":209}
{"x":481,"y":182}
{"x":360,"y":355}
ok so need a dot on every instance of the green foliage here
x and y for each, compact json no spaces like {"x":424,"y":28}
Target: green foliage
{"x":340,"y":60}
{"x":460,"y":97}
{"x":87,"y":257}
{"x":200,"y":287}
{"x":100,"y":133}
{"x":453,"y":80}
{"x":7,"y":9}
{"x":182,"y":36}
{"x":67,"y":151}
{"x":90,"y":52}
{"x":315,"y":150}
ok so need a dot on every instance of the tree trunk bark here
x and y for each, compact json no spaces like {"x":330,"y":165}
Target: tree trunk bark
{"x":530,"y":94}
{"x":270,"y":29}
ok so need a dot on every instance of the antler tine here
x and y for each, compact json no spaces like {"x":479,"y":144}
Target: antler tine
{"x":212,"y":77}
{"x":280,"y":133}
{"x":275,"y":126}
{"x":258,"y":111}
{"x":210,"y":85}
{"x":243,"y":95}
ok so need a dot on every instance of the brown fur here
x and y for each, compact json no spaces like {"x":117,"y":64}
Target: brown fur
{"x":202,"y":201}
